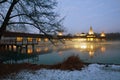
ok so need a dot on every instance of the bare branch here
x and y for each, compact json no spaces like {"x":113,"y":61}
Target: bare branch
{"x":20,"y":23}
{"x":37,"y":13}
{"x":2,"y":16}
{"x":16,"y":15}
{"x":3,"y":1}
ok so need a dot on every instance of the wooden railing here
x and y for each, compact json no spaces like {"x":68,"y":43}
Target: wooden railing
{"x":8,"y":41}
{"x":15,"y":42}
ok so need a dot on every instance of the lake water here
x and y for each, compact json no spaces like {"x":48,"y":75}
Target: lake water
{"x":105,"y":52}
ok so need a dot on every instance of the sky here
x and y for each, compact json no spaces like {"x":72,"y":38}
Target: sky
{"x":102,"y":15}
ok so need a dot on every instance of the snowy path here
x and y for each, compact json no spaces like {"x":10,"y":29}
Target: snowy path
{"x":92,"y":72}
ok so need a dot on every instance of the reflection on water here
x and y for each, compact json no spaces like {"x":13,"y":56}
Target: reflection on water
{"x":14,"y":48}
{"x":60,"y":53}
{"x":90,"y":48}
{"x":82,"y":47}
{"x":38,"y":50}
{"x":87,"y":51}
{"x":46,"y":49}
{"x":103,"y":49}
{"x":91,"y":53}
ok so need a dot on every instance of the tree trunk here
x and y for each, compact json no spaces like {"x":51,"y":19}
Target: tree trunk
{"x":6,"y":20}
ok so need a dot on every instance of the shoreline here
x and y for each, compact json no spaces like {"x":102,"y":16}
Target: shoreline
{"x":72,"y":63}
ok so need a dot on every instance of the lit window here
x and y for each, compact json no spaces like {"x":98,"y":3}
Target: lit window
{"x":30,"y":39}
{"x":46,"y":39}
{"x":38,"y":39}
{"x":29,"y":51}
{"x":91,"y":39}
{"x":19,"y":39}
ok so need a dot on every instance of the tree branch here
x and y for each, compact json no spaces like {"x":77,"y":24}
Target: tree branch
{"x":3,"y":1}
{"x":21,"y":23}
{"x":16,"y":15}
{"x":2,"y":16}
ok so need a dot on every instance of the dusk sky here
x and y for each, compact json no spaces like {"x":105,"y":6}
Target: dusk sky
{"x":102,"y":15}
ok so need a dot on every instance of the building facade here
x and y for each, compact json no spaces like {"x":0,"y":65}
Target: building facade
{"x":91,"y":36}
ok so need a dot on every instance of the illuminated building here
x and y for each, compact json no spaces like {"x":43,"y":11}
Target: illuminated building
{"x":19,"y":39}
{"x":82,"y":34}
{"x":90,"y":36}
{"x":102,"y":34}
{"x":60,"y":33}
{"x":91,"y":31}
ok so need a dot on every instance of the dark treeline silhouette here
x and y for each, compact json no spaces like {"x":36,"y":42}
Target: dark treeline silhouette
{"x":112,"y":36}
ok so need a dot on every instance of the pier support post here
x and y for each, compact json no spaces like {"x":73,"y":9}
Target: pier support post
{"x":26,"y":48}
{"x":33,"y":48}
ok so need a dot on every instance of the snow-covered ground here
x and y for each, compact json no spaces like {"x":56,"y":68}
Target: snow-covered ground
{"x":92,"y":72}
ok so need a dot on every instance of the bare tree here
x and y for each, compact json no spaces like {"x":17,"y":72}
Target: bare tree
{"x":39,"y":14}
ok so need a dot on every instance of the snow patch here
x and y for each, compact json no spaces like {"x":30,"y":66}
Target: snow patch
{"x":92,"y":72}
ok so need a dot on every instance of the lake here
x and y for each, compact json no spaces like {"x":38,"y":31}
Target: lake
{"x":104,"y":52}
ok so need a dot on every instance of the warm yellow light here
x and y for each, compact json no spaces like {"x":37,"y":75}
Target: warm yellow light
{"x":46,"y":39}
{"x":19,"y":39}
{"x":76,"y":46}
{"x":29,"y":39}
{"x":60,"y":33}
{"x":38,"y":39}
{"x":91,"y":39}
{"x":38,"y":49}
{"x":10,"y":47}
{"x":78,"y":39}
{"x":82,"y":34}
{"x":29,"y":51}
{"x":91,"y":47}
{"x":97,"y":39}
{"x":83,"y":46}
{"x":46,"y":49}
{"x":14,"y":47}
{"x":102,"y":34}
{"x":88,"y":39}
{"x":91,"y":53}
{"x":82,"y":39}
{"x":91,"y":31}
{"x":103,"y":49}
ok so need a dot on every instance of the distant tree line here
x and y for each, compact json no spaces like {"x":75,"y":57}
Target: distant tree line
{"x":113,"y":36}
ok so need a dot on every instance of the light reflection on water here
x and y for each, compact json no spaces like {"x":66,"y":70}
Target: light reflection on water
{"x":90,"y":48}
{"x":106,"y":52}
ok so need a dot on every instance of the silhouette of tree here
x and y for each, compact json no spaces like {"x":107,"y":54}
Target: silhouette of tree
{"x":113,"y":36}
{"x":29,"y":13}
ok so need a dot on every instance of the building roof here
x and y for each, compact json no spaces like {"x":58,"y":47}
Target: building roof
{"x":18,"y":34}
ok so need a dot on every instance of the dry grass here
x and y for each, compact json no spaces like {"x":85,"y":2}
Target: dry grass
{"x":72,"y":63}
